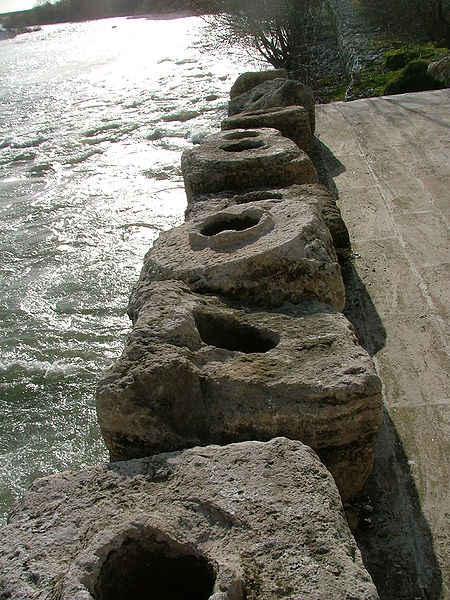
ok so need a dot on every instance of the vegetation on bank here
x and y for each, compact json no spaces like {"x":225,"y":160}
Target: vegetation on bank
{"x":425,"y":20}
{"x":412,"y":34}
{"x":403,"y":69}
{"x":282,"y":32}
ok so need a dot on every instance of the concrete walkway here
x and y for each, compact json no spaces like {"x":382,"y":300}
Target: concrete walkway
{"x":388,"y":161}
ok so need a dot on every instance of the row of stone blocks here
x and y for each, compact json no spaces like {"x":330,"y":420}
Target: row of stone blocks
{"x":238,"y":343}
{"x":238,"y":332}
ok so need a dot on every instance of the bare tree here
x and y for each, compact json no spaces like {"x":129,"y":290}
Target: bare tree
{"x":281,"y":31}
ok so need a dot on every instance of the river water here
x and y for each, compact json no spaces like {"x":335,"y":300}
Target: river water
{"x":93,"y":119}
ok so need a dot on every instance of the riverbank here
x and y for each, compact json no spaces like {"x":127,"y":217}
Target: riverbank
{"x":354,"y":59}
{"x":166,"y":16}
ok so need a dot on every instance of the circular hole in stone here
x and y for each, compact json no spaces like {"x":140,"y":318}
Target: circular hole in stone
{"x":223,"y":331}
{"x":147,"y":569}
{"x":229,"y":223}
{"x":244,"y":144}
{"x":239,"y":135}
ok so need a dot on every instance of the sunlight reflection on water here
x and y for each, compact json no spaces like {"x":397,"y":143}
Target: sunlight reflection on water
{"x":94,"y":119}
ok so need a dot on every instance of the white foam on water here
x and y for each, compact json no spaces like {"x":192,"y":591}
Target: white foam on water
{"x":95,"y":117}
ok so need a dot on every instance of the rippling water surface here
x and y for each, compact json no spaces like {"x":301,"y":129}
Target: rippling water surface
{"x":93,"y":119}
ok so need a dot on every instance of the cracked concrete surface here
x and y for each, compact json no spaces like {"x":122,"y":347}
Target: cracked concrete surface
{"x":387,"y":160}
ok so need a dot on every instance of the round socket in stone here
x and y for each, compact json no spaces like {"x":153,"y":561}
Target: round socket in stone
{"x":201,"y":205}
{"x":264,"y":254}
{"x":197,"y":370}
{"x":291,"y":121}
{"x":222,"y":230}
{"x":216,"y":523}
{"x":245,"y":159}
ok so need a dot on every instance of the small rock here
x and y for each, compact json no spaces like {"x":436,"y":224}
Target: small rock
{"x":440,"y":70}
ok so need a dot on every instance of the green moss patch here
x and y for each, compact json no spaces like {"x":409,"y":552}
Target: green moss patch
{"x":403,"y":69}
{"x":399,"y":54}
{"x":398,"y":59}
{"x":371,"y":81}
{"x":412,"y":78}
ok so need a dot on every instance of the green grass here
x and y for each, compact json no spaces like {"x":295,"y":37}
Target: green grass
{"x":334,"y":92}
{"x":393,"y":72}
{"x":398,"y":54}
{"x":371,"y":81}
{"x":412,"y":78}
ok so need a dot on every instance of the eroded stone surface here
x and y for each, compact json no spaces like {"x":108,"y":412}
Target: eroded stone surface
{"x":270,"y":94}
{"x":291,"y":121}
{"x":252,"y":520}
{"x":262,"y":253}
{"x":196,"y":370}
{"x":199,"y":206}
{"x":247,"y":81}
{"x":244,"y":159}
{"x":440,"y":70}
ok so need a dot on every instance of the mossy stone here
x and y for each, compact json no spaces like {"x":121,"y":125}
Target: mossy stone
{"x":412,"y":78}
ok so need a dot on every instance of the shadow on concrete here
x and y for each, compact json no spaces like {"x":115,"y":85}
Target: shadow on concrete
{"x":394,"y":539}
{"x":327,"y":165}
{"x":361,"y":312}
{"x":392,"y":532}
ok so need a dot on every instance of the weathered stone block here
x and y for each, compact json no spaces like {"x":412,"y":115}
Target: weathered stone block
{"x":198,"y":371}
{"x":263,"y":253}
{"x":249,"y":80}
{"x":200,"y":206}
{"x":244,"y":159}
{"x":292,"y":122}
{"x":270,"y":94}
{"x":245,"y":521}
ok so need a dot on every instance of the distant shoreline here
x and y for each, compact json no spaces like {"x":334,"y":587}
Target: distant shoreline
{"x":165,"y":16}
{"x":14,"y":30}
{"x":31,"y":18}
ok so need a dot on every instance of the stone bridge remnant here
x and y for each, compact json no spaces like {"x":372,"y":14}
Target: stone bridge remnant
{"x":252,"y":343}
{"x":291,"y":121}
{"x":315,"y":193}
{"x":239,"y":355}
{"x":215,"y":373}
{"x":262,"y":253}
{"x":243,"y":159}
{"x":274,"y":94}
